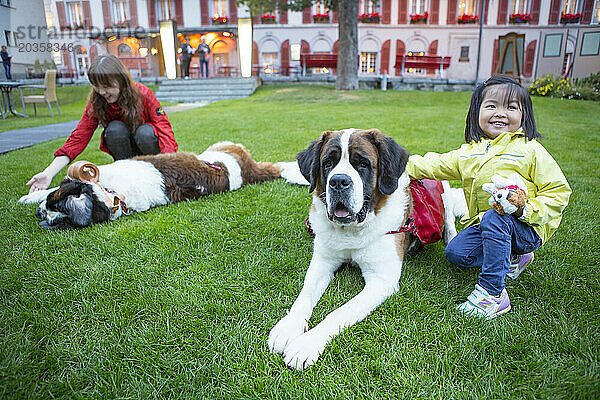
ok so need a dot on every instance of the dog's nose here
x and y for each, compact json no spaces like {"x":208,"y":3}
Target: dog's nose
{"x":340,"y":182}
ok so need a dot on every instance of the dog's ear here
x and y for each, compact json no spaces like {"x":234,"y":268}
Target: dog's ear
{"x":392,"y":161}
{"x":309,"y":161}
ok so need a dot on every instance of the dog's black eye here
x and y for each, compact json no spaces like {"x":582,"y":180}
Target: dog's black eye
{"x":327,"y":164}
{"x":363,"y":164}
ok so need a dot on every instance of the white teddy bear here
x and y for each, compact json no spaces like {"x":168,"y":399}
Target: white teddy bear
{"x":507,"y":195}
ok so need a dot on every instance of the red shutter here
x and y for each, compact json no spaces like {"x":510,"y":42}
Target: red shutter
{"x":93,"y":53}
{"x":304,"y":47}
{"x":433,"y":47}
{"x":87,"y":14}
{"x":62,"y":16}
{"x":486,"y":12}
{"x":587,"y":11}
{"x":66,"y":56}
{"x":554,"y":16}
{"x":179,"y":13}
{"x":335,"y":47}
{"x":535,"y":12}
{"x":151,"y":13}
{"x":529,"y":58}
{"x":203,"y":12}
{"x":283,"y":17}
{"x":402,"y":11}
{"x":502,"y":11}
{"x":254,"y":53}
{"x":105,"y":13}
{"x":335,"y":17}
{"x":434,"y":12}
{"x":451,"y":15}
{"x":400,"y":49}
{"x":285,"y":58}
{"x":232,"y":12}
{"x":495,"y":57}
{"x":306,"y":16}
{"x":133,"y":14}
{"x":386,"y":11}
{"x":385,"y":58}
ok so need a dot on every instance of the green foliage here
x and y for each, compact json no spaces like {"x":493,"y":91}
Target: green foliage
{"x":37,"y":66}
{"x":565,"y":88}
{"x":177,"y":302}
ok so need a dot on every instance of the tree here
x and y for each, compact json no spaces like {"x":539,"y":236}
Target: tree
{"x":347,"y":61}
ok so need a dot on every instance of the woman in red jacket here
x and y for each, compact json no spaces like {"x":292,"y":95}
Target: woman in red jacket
{"x":133,"y":120}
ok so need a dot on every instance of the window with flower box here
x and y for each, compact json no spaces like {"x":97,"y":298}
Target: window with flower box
{"x":75,"y":14}
{"x":268,"y":18}
{"x":518,"y":12}
{"x":165,"y":9}
{"x":368,"y":63}
{"x":570,"y":14}
{"x":220,"y":11}
{"x":468,"y":11}
{"x":368,"y":12}
{"x":417,"y":7}
{"x":120,"y":12}
{"x":320,"y":13}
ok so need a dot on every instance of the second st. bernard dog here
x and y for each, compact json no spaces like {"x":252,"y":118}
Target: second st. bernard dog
{"x":360,"y":195}
{"x":143,"y":182}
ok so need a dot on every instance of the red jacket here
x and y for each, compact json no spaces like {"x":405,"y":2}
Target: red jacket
{"x":152,"y":113}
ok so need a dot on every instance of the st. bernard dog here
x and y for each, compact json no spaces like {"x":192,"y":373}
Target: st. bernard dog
{"x":360,"y":197}
{"x":137,"y":184}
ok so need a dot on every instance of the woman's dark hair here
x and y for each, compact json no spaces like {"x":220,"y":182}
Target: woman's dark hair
{"x":107,"y":71}
{"x":473,"y":131}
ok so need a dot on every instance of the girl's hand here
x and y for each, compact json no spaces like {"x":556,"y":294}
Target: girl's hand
{"x":39,"y":181}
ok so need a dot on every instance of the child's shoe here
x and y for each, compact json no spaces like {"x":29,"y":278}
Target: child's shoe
{"x":518,"y":265}
{"x":481,"y":304}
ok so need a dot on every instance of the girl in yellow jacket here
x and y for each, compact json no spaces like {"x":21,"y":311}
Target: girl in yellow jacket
{"x":501,"y":138}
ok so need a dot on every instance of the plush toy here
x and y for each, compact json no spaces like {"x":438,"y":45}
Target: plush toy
{"x":507,"y":195}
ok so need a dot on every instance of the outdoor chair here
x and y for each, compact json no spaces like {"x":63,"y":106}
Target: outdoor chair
{"x":49,"y":95}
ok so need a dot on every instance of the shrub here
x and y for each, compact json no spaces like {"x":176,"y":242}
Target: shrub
{"x":565,"y":88}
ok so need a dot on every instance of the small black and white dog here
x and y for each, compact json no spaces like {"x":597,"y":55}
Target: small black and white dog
{"x":137,"y":184}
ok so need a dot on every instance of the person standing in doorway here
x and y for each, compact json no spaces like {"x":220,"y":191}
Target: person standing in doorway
{"x":203,"y":52}
{"x":186,"y":56}
{"x":6,"y":62}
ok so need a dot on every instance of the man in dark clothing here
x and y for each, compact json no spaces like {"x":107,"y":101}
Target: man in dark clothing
{"x":203,"y":52}
{"x":6,"y":62}
{"x":186,"y":56}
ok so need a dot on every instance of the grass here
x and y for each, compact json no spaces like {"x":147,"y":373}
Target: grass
{"x":177,"y":302}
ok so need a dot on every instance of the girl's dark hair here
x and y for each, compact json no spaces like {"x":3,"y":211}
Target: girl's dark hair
{"x":473,"y":131}
{"x":107,"y":71}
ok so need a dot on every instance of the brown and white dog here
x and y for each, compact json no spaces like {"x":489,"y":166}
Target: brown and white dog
{"x":360,"y":195}
{"x":137,"y":184}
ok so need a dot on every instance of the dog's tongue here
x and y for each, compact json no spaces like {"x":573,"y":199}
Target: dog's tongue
{"x":341,"y":211}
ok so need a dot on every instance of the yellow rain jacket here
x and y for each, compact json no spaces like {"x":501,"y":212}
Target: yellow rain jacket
{"x":476,"y":162}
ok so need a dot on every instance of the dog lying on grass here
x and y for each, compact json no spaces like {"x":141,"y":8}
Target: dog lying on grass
{"x":143,"y":182}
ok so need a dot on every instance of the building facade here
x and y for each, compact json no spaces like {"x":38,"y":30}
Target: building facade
{"x":528,"y":37}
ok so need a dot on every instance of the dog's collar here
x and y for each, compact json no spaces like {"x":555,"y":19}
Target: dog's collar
{"x":115,"y":202}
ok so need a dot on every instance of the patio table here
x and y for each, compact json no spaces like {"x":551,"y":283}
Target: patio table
{"x":8,"y":105}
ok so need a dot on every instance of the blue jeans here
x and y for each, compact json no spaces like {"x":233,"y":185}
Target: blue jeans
{"x":490,"y":245}
{"x":204,"y":69}
{"x":7,"y":71}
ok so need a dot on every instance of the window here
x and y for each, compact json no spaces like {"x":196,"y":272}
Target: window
{"x":220,"y":8}
{"x":120,"y":11}
{"x":519,"y":7}
{"x":467,"y":7}
{"x":570,"y":7}
{"x":464,"y":54}
{"x":165,"y":9}
{"x":75,"y":14}
{"x":270,"y":62}
{"x":5,"y":3}
{"x":590,"y":44}
{"x":417,"y":7}
{"x":367,"y":62}
{"x":124,"y":50}
{"x":596,"y":14}
{"x":552,"y":45}
{"x":8,"y":38}
{"x":320,"y":8}
{"x":367,"y":7}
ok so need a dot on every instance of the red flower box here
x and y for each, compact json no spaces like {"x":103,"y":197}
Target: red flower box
{"x":369,"y":18}
{"x":320,"y":17}
{"x":519,"y":18}
{"x":268,"y":19}
{"x":468,"y":19}
{"x":419,"y":18}
{"x":566,"y":18}
{"x":219,"y":20}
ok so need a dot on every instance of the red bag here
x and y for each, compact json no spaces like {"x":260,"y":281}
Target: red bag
{"x":428,"y":210}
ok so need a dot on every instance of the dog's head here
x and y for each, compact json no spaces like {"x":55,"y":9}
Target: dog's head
{"x":353,"y":171}
{"x":73,"y":205}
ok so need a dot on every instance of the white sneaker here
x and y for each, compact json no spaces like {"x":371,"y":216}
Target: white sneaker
{"x":481,"y":304}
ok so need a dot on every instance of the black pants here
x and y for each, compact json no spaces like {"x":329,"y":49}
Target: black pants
{"x":122,"y":144}
{"x":185,"y":67}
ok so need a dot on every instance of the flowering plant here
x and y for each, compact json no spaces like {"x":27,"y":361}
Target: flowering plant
{"x":419,"y":18}
{"x":320,"y":17}
{"x":468,"y":19}
{"x":566,"y":18}
{"x":519,"y":18}
{"x":369,"y":18}
{"x":220,"y":20}
{"x":268,"y":19}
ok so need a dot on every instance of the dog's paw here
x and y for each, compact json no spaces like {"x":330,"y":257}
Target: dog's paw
{"x":305,"y":350}
{"x":286,"y":330}
{"x":35,"y":197}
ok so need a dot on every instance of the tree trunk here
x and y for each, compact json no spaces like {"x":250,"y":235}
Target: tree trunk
{"x":347,"y":60}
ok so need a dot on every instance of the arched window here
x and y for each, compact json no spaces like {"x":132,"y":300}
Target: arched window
{"x":124,"y":50}
{"x":368,"y":56}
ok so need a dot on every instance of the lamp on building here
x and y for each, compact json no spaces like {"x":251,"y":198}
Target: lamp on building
{"x":245,"y":42}
{"x":167,"y":40}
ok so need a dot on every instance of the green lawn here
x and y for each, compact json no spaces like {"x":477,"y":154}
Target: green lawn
{"x":177,"y":302}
